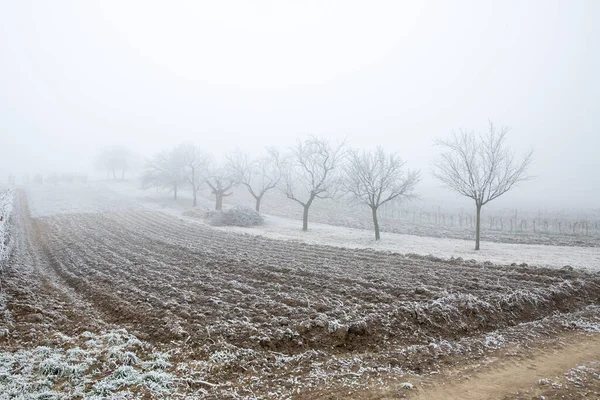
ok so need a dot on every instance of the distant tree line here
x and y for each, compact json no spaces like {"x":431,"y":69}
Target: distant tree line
{"x":53,"y":178}
{"x":116,"y":161}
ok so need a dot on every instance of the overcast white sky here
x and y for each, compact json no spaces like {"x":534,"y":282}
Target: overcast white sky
{"x":79,"y":75}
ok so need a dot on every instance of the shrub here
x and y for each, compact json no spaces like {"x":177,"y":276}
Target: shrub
{"x":237,"y":216}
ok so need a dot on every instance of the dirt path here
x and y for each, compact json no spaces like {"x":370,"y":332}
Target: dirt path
{"x":508,"y":376}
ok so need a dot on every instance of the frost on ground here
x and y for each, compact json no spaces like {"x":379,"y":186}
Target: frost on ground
{"x":92,"y":365}
{"x":498,"y":253}
{"x":244,"y":316}
{"x":67,"y":198}
{"x":116,"y":364}
{"x":6,"y":205}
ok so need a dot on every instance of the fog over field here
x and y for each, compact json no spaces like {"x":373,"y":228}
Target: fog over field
{"x":79,"y":76}
{"x":299,"y":200}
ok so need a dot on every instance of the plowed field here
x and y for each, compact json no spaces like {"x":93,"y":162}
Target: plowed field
{"x":243,"y":315}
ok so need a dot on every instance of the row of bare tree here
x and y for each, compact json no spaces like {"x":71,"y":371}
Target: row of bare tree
{"x":481,"y":167}
{"x":312,"y":169}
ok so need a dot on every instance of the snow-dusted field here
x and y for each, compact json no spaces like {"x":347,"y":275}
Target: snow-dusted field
{"x":175,"y":307}
{"x":62,"y":198}
{"x":289,"y":229}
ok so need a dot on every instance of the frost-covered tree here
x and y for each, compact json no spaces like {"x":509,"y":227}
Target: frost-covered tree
{"x":258,"y":175}
{"x":113,"y":159}
{"x":480,"y":167}
{"x":195,"y":167}
{"x":166,"y":170}
{"x":374,"y":178}
{"x":311,"y":171}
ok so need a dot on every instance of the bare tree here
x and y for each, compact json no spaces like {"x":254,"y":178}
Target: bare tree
{"x":259,"y":175}
{"x":220,"y":183}
{"x":481,"y":167}
{"x":115,"y":158}
{"x":310,"y":172}
{"x":165,"y":170}
{"x":375,"y":178}
{"x":195,"y":167}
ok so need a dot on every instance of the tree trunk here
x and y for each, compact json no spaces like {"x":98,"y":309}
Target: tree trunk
{"x":219,"y":202}
{"x":478,"y":226}
{"x":258,"y":199}
{"x":175,"y":192}
{"x":123,"y":175}
{"x":375,"y":223}
{"x":194,"y":188}
{"x":114,"y":175}
{"x":305,"y":218}
{"x":305,"y":215}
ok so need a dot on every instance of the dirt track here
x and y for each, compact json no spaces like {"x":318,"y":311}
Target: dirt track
{"x":173,"y":282}
{"x":508,"y":378}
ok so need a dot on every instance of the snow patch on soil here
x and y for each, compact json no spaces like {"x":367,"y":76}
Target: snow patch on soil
{"x":498,"y":253}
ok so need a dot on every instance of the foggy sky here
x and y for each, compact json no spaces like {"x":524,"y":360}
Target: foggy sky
{"x":77,"y":76}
